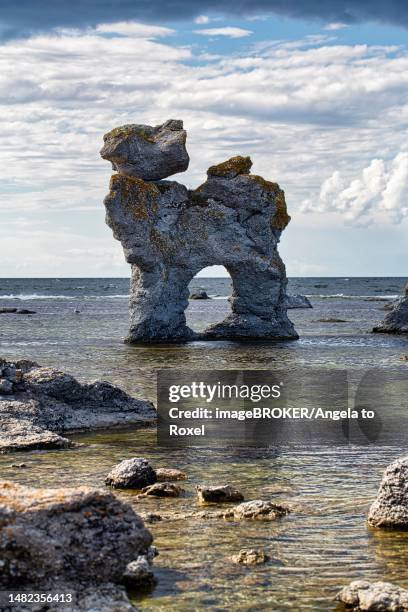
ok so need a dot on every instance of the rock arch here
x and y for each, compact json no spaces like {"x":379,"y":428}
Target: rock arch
{"x":169,"y":233}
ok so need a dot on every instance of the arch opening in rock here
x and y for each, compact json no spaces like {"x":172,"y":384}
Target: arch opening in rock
{"x":170,"y":233}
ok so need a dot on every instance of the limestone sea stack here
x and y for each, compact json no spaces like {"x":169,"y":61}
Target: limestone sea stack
{"x":39,"y":406}
{"x":169,"y":233}
{"x":396,"y":320}
{"x":81,"y":541}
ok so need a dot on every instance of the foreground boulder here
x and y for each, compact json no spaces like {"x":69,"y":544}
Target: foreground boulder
{"x":169,"y":233}
{"x":374,"y":597}
{"x":218,"y":494}
{"x":297,"y":301}
{"x":135,"y":473}
{"x":390,"y":509}
{"x":396,"y":320}
{"x":76,"y":540}
{"x":256,"y":510}
{"x":38,"y":406}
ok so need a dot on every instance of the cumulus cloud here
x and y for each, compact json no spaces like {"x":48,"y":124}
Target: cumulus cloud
{"x":228,"y":32}
{"x":25,"y":16}
{"x":202,"y":19}
{"x":131,"y":28}
{"x":381,"y":187}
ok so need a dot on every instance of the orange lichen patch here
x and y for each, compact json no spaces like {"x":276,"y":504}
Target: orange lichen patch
{"x":125,"y":131}
{"x":232,"y":167}
{"x":281,"y":217}
{"x":139,"y":197}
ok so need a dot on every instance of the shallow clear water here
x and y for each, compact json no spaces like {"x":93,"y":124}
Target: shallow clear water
{"x":324,"y":543}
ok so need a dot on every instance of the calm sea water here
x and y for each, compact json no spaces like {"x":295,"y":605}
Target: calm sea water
{"x":325,"y":542}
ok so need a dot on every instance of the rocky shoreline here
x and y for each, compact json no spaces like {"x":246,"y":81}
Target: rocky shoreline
{"x":39,"y":406}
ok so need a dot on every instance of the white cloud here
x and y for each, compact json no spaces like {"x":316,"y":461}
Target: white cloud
{"x":130,"y":28}
{"x":202,"y":19}
{"x":382,"y":187}
{"x":228,"y":31}
{"x":337,"y":25}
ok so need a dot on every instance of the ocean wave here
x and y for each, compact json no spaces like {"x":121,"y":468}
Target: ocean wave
{"x":37,"y":296}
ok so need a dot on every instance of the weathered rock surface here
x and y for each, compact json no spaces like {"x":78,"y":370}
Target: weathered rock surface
{"x":146,"y":152}
{"x":218,"y":494}
{"x":390,"y":509}
{"x":79,"y":540}
{"x":374,"y":596}
{"x":139,"y":573}
{"x":256,"y":510}
{"x":165,"y":474}
{"x":396,"y":320}
{"x":199,"y":295}
{"x":135,"y":473}
{"x":163,"y":489}
{"x":169,"y":233}
{"x":297,"y":301}
{"x":250,"y":556}
{"x":38,"y":405}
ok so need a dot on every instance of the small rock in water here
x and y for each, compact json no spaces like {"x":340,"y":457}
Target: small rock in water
{"x":151,"y":517}
{"x":250,"y":556}
{"x":135,"y":473}
{"x":218,"y":494}
{"x":256,"y":510}
{"x":18,"y":465}
{"x":7,"y":310}
{"x":139,"y":574}
{"x":297,"y":301}
{"x":25,"y":311}
{"x":163,"y":489}
{"x":6,"y":386}
{"x":390,"y":509}
{"x":404,"y":358}
{"x":331,"y":320}
{"x":199,"y":295}
{"x":374,"y":596}
{"x":166,"y":474}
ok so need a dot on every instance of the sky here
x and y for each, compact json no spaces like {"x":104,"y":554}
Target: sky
{"x":315,"y":92}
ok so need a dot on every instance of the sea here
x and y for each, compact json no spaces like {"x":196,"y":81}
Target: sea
{"x":79,"y":325}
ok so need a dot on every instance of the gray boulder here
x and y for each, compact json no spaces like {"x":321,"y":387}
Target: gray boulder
{"x":218,"y":494}
{"x":135,"y":473}
{"x":39,"y":406}
{"x":374,"y":596}
{"x":169,"y":233}
{"x":390,"y":509}
{"x":297,"y":301}
{"x":165,"y":474}
{"x":138,"y":574}
{"x":396,"y":320}
{"x":256,"y":510}
{"x":74,"y":540}
{"x":199,"y":295}
{"x":163,"y":489}
{"x":146,"y":152}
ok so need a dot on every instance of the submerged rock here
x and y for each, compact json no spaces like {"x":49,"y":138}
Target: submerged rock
{"x":41,"y":405}
{"x":218,"y":494}
{"x":165,"y":474}
{"x":169,"y":233}
{"x":396,"y":321}
{"x":250,"y":557}
{"x":135,"y":473}
{"x":74,"y":540}
{"x":374,"y":596}
{"x":199,"y":295}
{"x":163,"y":489}
{"x":256,"y":510}
{"x":146,"y":152}
{"x":297,"y":301}
{"x":390,"y":509}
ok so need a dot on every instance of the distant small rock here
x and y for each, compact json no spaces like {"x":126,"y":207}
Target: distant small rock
{"x":6,"y":386}
{"x":256,"y":510}
{"x":135,"y":473}
{"x":7,"y":310}
{"x":370,"y":596}
{"x":390,"y":509}
{"x":250,"y":556}
{"x":151,"y":517}
{"x":218,"y":494}
{"x":168,"y":474}
{"x":331,"y":320}
{"x":199,"y":295}
{"x":25,"y":311}
{"x":404,"y":358}
{"x":18,"y":465}
{"x":297,"y":301}
{"x":163,"y":489}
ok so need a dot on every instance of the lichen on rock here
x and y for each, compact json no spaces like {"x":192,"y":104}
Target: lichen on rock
{"x":168,"y":234}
